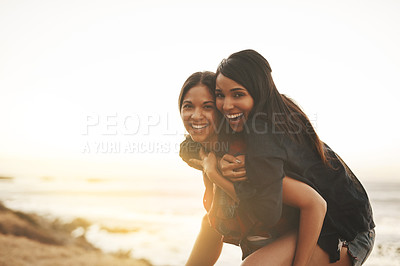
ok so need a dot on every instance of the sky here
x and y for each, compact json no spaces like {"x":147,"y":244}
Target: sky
{"x":90,"y":88}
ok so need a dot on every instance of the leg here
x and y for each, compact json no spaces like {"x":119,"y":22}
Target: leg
{"x":321,"y":258}
{"x":282,"y":251}
{"x":278,"y":253}
{"x":208,"y":246}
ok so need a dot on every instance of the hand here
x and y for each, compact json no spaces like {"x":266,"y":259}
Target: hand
{"x":208,"y":161}
{"x":195,"y":166}
{"x":232,"y":167}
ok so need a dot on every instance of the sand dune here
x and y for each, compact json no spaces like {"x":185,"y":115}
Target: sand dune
{"x":28,"y":239}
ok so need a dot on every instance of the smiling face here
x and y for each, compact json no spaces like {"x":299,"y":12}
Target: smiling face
{"x":199,"y":114}
{"x":233,"y":101}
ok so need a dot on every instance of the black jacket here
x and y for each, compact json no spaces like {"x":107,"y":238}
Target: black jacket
{"x":272,"y":155}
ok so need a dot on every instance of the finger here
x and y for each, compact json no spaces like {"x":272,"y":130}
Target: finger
{"x":212,"y":158}
{"x":196,"y":162}
{"x":233,"y":174}
{"x":231,"y":158}
{"x":202,"y":153}
{"x":195,"y":166}
{"x":239,"y":169}
{"x":231,"y":166}
{"x":238,"y":174}
{"x":241,"y":157}
{"x":212,"y":155}
{"x":239,"y":179}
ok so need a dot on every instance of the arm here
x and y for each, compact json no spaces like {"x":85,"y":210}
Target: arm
{"x":209,"y":165}
{"x":223,"y":183}
{"x":233,"y":167}
{"x":189,"y":149}
{"x":208,"y":193}
{"x":208,"y":246}
{"x":312,"y":213}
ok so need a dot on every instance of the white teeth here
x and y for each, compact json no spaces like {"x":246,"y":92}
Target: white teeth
{"x":234,"y":116}
{"x":198,"y":126}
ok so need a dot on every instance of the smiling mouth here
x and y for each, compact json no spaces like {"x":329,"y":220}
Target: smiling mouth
{"x":234,"y":117}
{"x":199,"y":126}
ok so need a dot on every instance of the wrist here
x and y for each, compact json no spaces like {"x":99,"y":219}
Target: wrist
{"x":219,"y":163}
{"x":210,"y":171}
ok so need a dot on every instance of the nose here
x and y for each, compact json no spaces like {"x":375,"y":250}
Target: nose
{"x":227,"y":104}
{"x":197,"y":114}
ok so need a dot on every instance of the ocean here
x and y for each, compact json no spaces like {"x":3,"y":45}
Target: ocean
{"x":159,"y":219}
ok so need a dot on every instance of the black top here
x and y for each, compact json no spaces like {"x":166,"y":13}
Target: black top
{"x":270,"y":156}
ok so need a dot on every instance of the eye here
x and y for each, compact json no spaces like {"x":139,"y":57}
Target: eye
{"x":187,"y":106}
{"x":208,"y":106}
{"x":238,"y":94}
{"x":219,"y":95}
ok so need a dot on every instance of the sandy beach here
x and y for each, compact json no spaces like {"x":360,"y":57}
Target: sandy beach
{"x":28,"y":239}
{"x":119,"y":221}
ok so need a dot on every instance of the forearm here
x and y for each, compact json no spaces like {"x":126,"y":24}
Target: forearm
{"x":311,"y":220}
{"x":207,"y":248}
{"x":208,"y":193}
{"x":222,"y":182}
{"x":312,"y":213}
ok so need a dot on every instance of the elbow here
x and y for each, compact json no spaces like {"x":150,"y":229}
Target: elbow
{"x":323,"y":206}
{"x":320,"y":206}
{"x":316,"y":206}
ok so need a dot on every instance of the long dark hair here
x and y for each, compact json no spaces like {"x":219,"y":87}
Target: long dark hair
{"x":252,"y":70}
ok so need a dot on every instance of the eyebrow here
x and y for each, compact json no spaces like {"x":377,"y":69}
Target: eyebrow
{"x":238,"y":89}
{"x":234,"y":89}
{"x":206,"y":102}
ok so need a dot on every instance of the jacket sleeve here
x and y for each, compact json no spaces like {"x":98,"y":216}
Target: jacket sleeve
{"x":262,"y":192}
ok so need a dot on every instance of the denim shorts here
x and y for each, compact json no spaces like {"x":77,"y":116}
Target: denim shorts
{"x":361,"y":246}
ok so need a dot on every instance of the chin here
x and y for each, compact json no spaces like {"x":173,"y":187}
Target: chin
{"x":237,"y":129}
{"x":198,"y":138}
